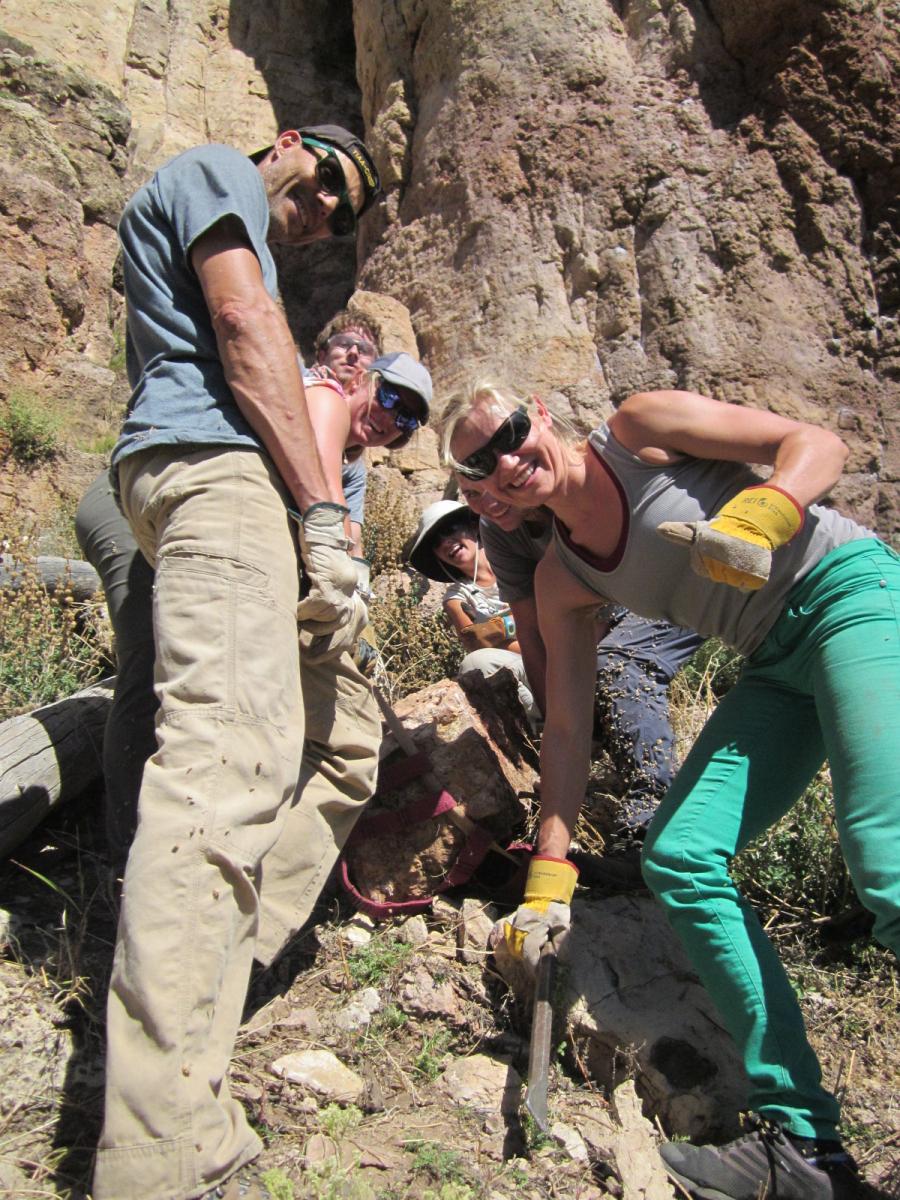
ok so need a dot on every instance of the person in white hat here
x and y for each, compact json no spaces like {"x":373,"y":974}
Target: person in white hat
{"x":446,"y":547}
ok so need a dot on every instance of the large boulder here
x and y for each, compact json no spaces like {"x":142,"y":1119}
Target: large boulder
{"x":471,"y":739}
{"x":635,"y":1008}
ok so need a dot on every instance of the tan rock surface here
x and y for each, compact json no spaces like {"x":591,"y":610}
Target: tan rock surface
{"x":588,"y":200}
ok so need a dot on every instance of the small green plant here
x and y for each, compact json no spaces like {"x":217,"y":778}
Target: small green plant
{"x":117,"y":358}
{"x":336,"y":1121}
{"x":373,"y":963}
{"x":450,"y":1191}
{"x":417,"y":646}
{"x":429,"y":1060}
{"x":331,"y":1180}
{"x":102,"y":443}
{"x":32,"y":426}
{"x":390,"y":1018}
{"x":437,"y":1163}
{"x":277,"y":1184}
{"x":535,"y":1140}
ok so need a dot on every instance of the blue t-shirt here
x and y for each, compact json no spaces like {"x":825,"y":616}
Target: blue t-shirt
{"x":353,"y":480}
{"x":179,"y":394}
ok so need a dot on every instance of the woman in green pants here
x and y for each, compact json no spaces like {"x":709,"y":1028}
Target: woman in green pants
{"x":658,"y":510}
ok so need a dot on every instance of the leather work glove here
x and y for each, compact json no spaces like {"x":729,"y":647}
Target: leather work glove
{"x":366,"y":654}
{"x":331,"y":602}
{"x":544,"y":914}
{"x":736,"y":546}
{"x":324,"y":646}
{"x":363,"y":569}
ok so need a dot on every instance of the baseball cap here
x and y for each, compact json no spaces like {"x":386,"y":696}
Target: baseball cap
{"x":352,"y":146}
{"x":403,"y":370}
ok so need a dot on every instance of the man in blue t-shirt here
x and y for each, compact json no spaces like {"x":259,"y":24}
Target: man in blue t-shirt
{"x":215,"y":451}
{"x":108,"y":544}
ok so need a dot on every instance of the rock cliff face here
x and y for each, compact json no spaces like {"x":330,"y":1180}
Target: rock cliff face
{"x":585,"y":197}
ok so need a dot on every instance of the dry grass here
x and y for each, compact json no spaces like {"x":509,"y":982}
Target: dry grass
{"x":49,"y":645}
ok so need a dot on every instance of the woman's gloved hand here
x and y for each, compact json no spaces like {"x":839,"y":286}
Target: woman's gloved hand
{"x":544,"y":914}
{"x":736,"y":546}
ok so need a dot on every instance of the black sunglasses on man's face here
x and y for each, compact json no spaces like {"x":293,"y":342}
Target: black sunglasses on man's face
{"x":509,"y":437}
{"x":333,"y":181}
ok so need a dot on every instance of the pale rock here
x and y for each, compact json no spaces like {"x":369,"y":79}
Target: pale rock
{"x":632,"y":998}
{"x":276,"y":1012}
{"x":570,"y":1140}
{"x":359,"y":1012}
{"x":488,"y":1085}
{"x":446,"y":912}
{"x":476,"y":920}
{"x":634,"y":1148}
{"x":321,"y":1072}
{"x":358,"y":931}
{"x":422,"y":996}
{"x":413,"y":931}
{"x":306,"y":1020}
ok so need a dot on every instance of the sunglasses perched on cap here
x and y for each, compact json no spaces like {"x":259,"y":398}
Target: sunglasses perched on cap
{"x":333,"y":181}
{"x":509,"y":437}
{"x":391,"y":401}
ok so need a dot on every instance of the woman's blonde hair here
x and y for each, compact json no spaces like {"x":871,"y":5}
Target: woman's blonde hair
{"x":500,"y":401}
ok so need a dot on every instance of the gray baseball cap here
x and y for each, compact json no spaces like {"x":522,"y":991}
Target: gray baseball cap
{"x":403,"y":370}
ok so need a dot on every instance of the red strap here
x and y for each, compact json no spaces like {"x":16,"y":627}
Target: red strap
{"x":389,"y":821}
{"x":401,"y":771}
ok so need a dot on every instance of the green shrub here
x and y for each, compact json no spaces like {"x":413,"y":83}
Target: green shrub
{"x":391,"y":518}
{"x":715,"y":666}
{"x":32,"y":426}
{"x":417,"y":646}
{"x":377,"y":960}
{"x":795,"y":871}
{"x":430,"y":1059}
{"x":43,"y":653}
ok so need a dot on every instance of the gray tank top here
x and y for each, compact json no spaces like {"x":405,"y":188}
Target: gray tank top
{"x":653,"y":577}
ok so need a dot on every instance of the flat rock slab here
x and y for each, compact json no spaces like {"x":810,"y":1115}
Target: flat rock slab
{"x":323,"y":1073}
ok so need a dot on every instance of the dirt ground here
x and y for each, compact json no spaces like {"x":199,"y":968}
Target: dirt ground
{"x":400,"y":1009}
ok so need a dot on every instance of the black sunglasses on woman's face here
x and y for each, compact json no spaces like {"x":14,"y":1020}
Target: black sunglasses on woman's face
{"x":509,"y":437}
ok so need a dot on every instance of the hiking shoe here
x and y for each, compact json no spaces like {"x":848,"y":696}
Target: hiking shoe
{"x":244,"y":1185}
{"x":766,"y":1162}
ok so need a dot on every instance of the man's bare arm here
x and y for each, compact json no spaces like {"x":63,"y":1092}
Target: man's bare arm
{"x":259,"y":358}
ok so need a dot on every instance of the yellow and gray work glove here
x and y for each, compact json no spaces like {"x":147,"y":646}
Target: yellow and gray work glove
{"x":736,"y":546}
{"x":331,"y":602}
{"x":544,"y":915}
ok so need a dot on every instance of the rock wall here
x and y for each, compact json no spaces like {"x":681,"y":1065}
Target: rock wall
{"x":585,"y":197}
{"x":591,"y":198}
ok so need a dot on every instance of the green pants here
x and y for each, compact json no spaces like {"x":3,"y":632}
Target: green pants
{"x":824,"y":683}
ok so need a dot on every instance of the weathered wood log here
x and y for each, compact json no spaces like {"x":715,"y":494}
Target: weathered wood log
{"x":50,"y":756}
{"x":56,"y":574}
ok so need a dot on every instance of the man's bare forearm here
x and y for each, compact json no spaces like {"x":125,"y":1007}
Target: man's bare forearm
{"x":260,"y":363}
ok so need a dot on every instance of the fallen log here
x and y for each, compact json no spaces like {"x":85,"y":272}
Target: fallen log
{"x":56,"y":574}
{"x":48,"y":757}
